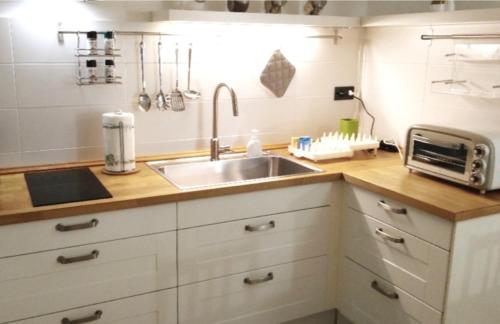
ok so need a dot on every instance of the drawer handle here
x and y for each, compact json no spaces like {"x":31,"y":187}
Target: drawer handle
{"x":64,"y":260}
{"x":268,"y":277}
{"x":66,"y":228}
{"x":260,"y":228}
{"x":384,"y":235}
{"x":390,"y":295}
{"x":97,"y":315}
{"x":389,"y":208}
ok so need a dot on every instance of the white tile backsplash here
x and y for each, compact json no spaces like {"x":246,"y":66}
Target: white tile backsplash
{"x":45,"y":85}
{"x":9,"y":131}
{"x":7,"y":86}
{"x":58,"y":121}
{"x":398,"y":70}
{"x":6,"y":44}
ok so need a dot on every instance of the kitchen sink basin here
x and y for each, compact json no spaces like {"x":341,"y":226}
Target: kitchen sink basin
{"x":198,"y":172}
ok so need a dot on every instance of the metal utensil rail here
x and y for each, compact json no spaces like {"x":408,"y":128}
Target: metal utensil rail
{"x":460,"y":36}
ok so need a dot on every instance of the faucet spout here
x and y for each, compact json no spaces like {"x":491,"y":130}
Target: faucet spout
{"x":214,"y":142}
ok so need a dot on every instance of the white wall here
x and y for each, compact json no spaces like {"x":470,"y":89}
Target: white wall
{"x":398,"y":69}
{"x":46,"y":118}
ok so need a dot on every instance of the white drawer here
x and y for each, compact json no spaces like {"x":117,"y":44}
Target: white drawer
{"x":362,"y":303}
{"x":212,"y":251}
{"x":38,"y":284}
{"x":153,"y":308}
{"x":258,"y":203}
{"x":286,"y":292}
{"x":429,"y":227}
{"x":414,"y":265}
{"x":98,"y":227}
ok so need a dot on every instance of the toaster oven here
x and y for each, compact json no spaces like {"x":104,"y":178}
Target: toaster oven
{"x":456,"y":155}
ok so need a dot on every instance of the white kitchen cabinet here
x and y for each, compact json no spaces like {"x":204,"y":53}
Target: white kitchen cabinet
{"x":222,"y":249}
{"x":91,"y":228}
{"x":46,"y":282}
{"x":430,"y":228}
{"x":154,"y":308}
{"x":368,"y":299}
{"x":409,"y":262}
{"x":474,"y":280}
{"x":252,"y":204}
{"x":270,"y":295}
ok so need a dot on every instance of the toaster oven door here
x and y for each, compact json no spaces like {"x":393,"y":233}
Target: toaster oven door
{"x":442,"y":154}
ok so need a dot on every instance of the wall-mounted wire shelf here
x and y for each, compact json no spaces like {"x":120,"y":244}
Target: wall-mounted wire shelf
{"x":83,"y":81}
{"x":84,"y":52}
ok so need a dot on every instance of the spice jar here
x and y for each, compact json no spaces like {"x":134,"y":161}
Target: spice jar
{"x":109,"y":42}
{"x":92,"y":71}
{"x":92,"y":40}
{"x":109,"y":71}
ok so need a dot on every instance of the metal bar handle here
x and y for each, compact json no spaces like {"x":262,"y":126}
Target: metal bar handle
{"x":96,"y":316}
{"x":64,"y":260}
{"x":389,"y":208}
{"x":390,"y":295}
{"x":260,"y":228}
{"x":66,"y":228}
{"x":380,"y":232}
{"x":268,"y":277}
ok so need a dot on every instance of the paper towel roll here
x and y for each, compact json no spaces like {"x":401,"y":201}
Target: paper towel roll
{"x":119,"y":141}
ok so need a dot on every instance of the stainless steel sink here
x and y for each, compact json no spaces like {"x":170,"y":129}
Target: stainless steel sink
{"x":192,"y":173}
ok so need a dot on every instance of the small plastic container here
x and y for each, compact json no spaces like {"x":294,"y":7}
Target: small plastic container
{"x":109,"y":43}
{"x":92,"y":41}
{"x":109,"y":71}
{"x":305,"y":143}
{"x":254,"y":147}
{"x":92,"y":71}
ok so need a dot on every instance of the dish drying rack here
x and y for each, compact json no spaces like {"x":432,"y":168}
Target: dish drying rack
{"x":334,"y":146}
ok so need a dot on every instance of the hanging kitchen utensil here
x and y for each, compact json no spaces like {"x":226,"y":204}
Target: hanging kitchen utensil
{"x":190,"y":94}
{"x":277,"y":74}
{"x":144,"y":101}
{"x":162,"y":101}
{"x":176,"y":95}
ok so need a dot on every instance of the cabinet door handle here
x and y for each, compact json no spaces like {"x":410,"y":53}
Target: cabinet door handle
{"x":64,"y":260}
{"x":390,"y":295}
{"x":96,"y":316}
{"x":268,"y":277}
{"x":389,"y":208}
{"x":384,"y":235}
{"x":260,"y":228}
{"x":66,"y":228}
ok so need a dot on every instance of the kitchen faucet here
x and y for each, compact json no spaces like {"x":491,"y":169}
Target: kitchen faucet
{"x":215,"y":148}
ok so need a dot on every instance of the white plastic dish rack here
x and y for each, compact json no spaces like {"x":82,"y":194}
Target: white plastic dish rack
{"x":334,"y":146}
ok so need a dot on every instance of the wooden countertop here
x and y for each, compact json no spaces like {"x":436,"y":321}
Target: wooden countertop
{"x":383,"y":174}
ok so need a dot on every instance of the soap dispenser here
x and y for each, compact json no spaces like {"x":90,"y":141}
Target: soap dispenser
{"x":254,"y":147}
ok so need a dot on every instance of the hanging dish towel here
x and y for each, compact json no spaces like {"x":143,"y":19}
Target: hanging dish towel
{"x":277,"y":74}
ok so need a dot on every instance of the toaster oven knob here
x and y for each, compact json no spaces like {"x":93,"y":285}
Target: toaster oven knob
{"x":480,"y":151}
{"x":477,"y":165}
{"x":476,"y":179}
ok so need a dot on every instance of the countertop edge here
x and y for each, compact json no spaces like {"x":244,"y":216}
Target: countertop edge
{"x":104,"y":205}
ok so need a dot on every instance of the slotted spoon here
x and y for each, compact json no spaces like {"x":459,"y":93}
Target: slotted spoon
{"x":176,"y":94}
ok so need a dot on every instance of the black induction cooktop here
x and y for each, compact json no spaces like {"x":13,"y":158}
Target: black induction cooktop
{"x":64,"y":186}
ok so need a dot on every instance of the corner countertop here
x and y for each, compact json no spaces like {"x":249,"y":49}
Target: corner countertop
{"x":383,"y":174}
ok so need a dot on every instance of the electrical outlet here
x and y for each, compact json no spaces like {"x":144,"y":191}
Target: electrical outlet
{"x":342,"y":93}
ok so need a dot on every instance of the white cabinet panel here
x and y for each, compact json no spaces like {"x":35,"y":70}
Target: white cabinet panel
{"x":154,"y":308}
{"x":410,"y":263}
{"x":41,"y":283}
{"x":362,"y":299}
{"x":285,"y":292}
{"x":105,"y":226}
{"x":433,"y":229}
{"x":218,"y":250}
{"x":246,"y":205}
